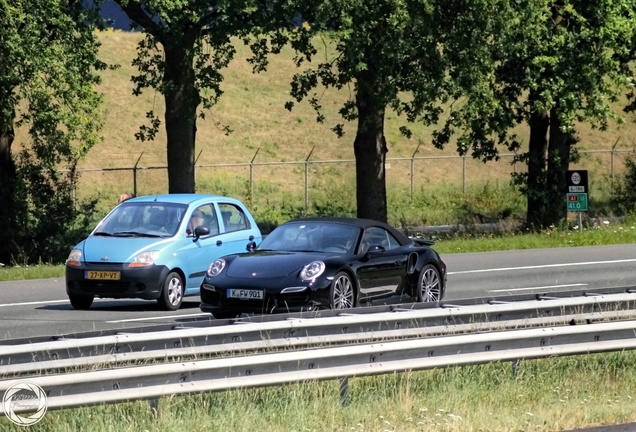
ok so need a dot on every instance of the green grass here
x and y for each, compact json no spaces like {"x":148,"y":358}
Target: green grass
{"x":545,"y":395}
{"x":612,"y":233}
{"x":39,"y":271}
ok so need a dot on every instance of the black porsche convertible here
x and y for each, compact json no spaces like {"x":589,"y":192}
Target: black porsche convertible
{"x":313,"y":263}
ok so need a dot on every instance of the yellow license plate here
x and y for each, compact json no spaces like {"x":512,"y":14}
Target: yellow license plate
{"x":102,"y":275}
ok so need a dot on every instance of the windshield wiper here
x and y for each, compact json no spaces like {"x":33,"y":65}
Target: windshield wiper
{"x":134,"y":234}
{"x":103,"y":233}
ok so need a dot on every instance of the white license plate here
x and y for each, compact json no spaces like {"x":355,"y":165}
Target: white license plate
{"x":245,"y":294}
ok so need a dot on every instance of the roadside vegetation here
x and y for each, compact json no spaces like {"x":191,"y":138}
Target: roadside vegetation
{"x":555,"y":394}
{"x":545,"y":395}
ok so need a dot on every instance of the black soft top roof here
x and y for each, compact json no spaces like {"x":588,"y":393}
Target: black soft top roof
{"x":358,"y":222}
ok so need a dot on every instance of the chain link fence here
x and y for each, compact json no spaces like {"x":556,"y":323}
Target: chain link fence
{"x":301,"y":183}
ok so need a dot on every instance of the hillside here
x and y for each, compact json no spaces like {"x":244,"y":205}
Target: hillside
{"x":253,"y":106}
{"x":264,"y":131}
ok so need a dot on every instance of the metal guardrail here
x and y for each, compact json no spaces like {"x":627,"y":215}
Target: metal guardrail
{"x":297,"y":332}
{"x":252,"y":354}
{"x":154,"y":381}
{"x":393,"y":305}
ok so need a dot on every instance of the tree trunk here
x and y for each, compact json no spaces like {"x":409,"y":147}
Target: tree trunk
{"x":558,"y":162}
{"x":370,"y":151}
{"x":7,"y":193}
{"x":8,"y":173}
{"x":182,"y":99}
{"x":539,"y":124}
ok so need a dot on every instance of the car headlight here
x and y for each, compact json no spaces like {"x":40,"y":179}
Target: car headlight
{"x":216,"y":267}
{"x":145,"y":259}
{"x":312,"y":270}
{"x":74,"y":257}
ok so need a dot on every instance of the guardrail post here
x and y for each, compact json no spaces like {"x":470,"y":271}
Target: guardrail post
{"x":344,"y":391}
{"x":515,"y":368}
{"x":154,"y":407}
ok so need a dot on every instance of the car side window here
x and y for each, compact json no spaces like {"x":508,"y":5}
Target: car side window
{"x":233,"y":217}
{"x":204,"y":216}
{"x":378,"y":236}
{"x":392,"y":241}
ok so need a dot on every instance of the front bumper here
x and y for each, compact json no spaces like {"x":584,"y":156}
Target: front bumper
{"x":142,"y":282}
{"x":215,"y":299}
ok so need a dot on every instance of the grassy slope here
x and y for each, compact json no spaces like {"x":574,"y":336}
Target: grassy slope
{"x":253,"y":107}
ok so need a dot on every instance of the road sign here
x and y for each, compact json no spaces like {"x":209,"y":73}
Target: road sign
{"x":577,"y":181}
{"x":577,"y":202}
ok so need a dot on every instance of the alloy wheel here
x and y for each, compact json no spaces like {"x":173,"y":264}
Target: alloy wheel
{"x":342,"y":292}
{"x":430,"y":286}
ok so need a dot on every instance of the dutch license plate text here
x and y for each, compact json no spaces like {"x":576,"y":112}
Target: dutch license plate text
{"x":245,"y":294}
{"x":102,"y":275}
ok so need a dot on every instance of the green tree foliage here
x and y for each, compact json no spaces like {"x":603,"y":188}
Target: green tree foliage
{"x":623,"y":198}
{"x":48,"y":63}
{"x":187,"y":44}
{"x":409,"y":56}
{"x":555,"y":64}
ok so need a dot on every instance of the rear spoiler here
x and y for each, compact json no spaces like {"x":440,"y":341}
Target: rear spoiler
{"x":422,"y":241}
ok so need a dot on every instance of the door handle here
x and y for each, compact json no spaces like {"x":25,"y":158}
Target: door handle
{"x":219,"y":242}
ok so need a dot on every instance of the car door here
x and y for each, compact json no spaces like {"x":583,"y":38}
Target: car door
{"x":201,"y":251}
{"x":380,"y":271}
{"x":236,"y":227}
{"x":230,"y":232}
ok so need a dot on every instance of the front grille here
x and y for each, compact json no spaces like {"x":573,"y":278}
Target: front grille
{"x":104,"y":266}
{"x":114,"y":287}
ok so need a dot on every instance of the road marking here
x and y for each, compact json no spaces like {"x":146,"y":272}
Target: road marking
{"x":34,"y":303}
{"x":158,"y":317}
{"x":536,"y":288}
{"x":543,"y":266}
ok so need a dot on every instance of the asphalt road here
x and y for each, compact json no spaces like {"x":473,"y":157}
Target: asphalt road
{"x":40,"y":307}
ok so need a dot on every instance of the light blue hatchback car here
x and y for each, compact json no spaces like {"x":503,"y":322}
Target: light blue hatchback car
{"x":157,"y":247}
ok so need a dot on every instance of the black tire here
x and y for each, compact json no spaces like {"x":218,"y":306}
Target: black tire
{"x":81,"y":302}
{"x":429,"y":285}
{"x":172,"y":293}
{"x":342,"y":293}
{"x":225,"y":315}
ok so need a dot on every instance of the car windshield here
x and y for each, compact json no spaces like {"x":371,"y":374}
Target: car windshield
{"x":313,"y":236}
{"x":142,"y":219}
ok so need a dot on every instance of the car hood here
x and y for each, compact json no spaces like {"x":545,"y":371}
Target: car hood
{"x":270,"y":264}
{"x":117,"y":249}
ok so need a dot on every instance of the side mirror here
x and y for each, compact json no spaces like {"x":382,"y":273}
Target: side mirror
{"x":374,"y":250}
{"x":200,"y":231}
{"x":251,"y":246}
